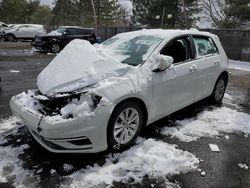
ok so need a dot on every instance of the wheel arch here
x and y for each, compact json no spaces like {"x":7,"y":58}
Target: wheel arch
{"x":138,"y":101}
{"x":7,"y":34}
{"x":224,"y":74}
{"x":54,"y":40}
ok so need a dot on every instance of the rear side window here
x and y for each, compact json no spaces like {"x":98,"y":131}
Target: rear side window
{"x":72,"y":31}
{"x":87,"y":31}
{"x":76,"y":31}
{"x":205,"y":46}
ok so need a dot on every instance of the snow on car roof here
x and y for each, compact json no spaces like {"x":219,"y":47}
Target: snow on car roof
{"x":162,"y":33}
{"x":75,"y":27}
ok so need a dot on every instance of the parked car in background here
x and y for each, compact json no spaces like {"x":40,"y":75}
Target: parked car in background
{"x":23,"y":31}
{"x":94,"y":97}
{"x":3,"y":26}
{"x":56,"y":40}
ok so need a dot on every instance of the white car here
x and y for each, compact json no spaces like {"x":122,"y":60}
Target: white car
{"x":3,"y":26}
{"x":24,"y":31}
{"x":91,"y":98}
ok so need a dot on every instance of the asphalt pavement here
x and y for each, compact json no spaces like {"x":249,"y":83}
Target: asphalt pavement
{"x":19,"y":70}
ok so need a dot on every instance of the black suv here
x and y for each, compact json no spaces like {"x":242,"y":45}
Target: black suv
{"x":56,"y":40}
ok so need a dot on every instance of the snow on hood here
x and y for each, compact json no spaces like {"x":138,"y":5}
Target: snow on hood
{"x":78,"y":65}
{"x":54,"y":33}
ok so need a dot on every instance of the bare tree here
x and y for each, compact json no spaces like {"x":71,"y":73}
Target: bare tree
{"x":223,"y":13}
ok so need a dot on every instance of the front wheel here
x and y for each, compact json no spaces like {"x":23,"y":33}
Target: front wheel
{"x":124,"y":125}
{"x":55,"y":48}
{"x":219,"y":91}
{"x":10,"y":38}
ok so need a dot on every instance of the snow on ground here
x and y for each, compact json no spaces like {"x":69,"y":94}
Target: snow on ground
{"x":214,"y":147}
{"x":243,"y":166}
{"x":149,"y":157}
{"x":210,"y":123}
{"x":240,"y":65}
{"x":10,"y":164}
{"x":7,"y":124}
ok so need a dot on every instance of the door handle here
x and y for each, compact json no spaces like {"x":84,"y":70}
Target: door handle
{"x":193,"y":68}
{"x":217,"y":62}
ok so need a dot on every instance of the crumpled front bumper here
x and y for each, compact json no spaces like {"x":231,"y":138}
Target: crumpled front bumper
{"x":41,"y":46}
{"x":77,"y":135}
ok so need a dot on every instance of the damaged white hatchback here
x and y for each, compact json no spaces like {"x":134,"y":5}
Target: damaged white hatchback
{"x":91,"y":98}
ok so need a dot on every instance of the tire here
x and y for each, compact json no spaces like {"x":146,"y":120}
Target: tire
{"x":219,"y":91}
{"x":10,"y":38}
{"x":122,"y":132}
{"x":55,"y":48}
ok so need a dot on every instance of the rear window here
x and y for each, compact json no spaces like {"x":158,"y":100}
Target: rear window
{"x":205,"y":46}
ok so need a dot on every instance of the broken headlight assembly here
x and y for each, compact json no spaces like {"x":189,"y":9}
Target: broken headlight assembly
{"x":68,"y":105}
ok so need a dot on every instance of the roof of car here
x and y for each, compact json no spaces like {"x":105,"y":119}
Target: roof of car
{"x":163,"y":33}
{"x":76,"y":27}
{"x":17,"y":25}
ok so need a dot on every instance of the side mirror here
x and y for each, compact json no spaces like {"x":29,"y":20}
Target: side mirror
{"x":162,"y":63}
{"x":65,"y":33}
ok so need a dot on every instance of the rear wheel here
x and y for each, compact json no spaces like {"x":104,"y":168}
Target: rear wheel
{"x":219,"y":91}
{"x":124,"y":125}
{"x":55,"y":48}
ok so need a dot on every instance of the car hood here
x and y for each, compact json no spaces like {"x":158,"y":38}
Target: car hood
{"x":77,"y":66}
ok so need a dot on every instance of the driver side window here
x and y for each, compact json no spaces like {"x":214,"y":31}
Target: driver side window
{"x":179,"y":49}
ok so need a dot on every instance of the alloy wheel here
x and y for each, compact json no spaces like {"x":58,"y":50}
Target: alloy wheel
{"x":219,"y":90}
{"x":126,"y":125}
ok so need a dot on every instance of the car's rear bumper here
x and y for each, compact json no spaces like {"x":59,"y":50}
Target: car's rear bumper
{"x":77,"y":135}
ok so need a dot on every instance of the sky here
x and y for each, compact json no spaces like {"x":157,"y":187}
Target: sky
{"x":47,"y":2}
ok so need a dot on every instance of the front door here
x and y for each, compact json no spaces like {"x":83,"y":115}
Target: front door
{"x":175,"y":87}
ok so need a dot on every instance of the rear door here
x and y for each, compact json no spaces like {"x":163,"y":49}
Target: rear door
{"x":207,"y":61}
{"x":22,"y":32}
{"x":175,"y":87}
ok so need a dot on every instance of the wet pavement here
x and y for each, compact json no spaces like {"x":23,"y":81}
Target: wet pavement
{"x":221,"y":168}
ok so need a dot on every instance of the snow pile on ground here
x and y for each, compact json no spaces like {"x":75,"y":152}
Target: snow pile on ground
{"x":210,"y":124}
{"x":243,"y":166}
{"x":7,"y":124}
{"x":67,"y":167}
{"x":214,"y":148}
{"x":240,"y":65}
{"x":10,"y":164}
{"x":149,"y":157}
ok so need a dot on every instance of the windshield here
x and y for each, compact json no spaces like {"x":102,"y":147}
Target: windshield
{"x":131,"y":51}
{"x":60,"y":30}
